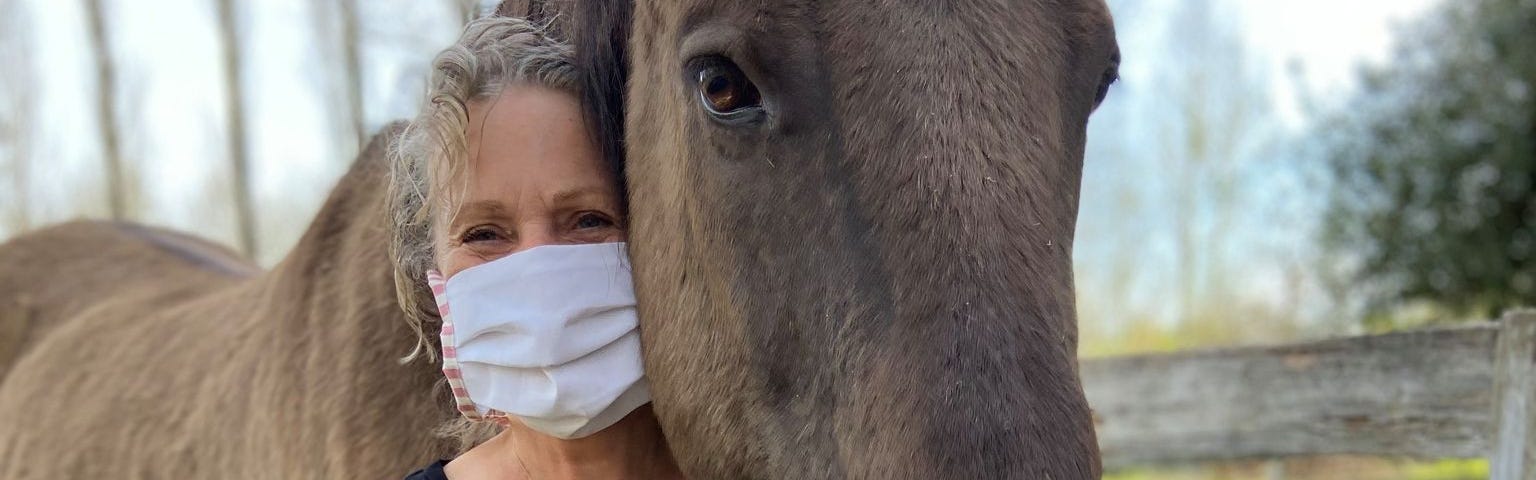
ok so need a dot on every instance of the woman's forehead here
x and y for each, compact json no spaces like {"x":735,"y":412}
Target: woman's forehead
{"x":528,"y":146}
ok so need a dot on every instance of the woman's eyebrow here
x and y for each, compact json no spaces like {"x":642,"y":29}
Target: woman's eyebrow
{"x":476,"y":211}
{"x":484,"y":207}
{"x":578,"y":193}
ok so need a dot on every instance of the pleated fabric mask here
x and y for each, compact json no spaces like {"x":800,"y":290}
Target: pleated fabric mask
{"x":547,"y":336}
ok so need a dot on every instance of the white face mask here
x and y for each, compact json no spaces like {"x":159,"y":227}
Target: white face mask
{"x":547,"y":336}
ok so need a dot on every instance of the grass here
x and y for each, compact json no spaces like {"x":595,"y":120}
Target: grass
{"x":1316,"y":468}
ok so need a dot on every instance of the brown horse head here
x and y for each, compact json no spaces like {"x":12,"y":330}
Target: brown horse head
{"x":852,"y":225}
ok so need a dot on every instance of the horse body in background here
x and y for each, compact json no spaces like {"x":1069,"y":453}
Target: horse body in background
{"x":132,"y":352}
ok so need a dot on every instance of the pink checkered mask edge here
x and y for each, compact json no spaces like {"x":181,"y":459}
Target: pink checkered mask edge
{"x":547,"y":336}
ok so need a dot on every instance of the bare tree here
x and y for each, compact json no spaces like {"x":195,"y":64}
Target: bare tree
{"x":16,"y":83}
{"x":106,"y":108}
{"x":1168,"y":236}
{"x":1217,"y":108}
{"x":352,"y":63}
{"x":234,"y":101}
{"x":338,"y":31}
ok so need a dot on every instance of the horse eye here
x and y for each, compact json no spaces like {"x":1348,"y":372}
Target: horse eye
{"x":1109,"y":77}
{"x":726,"y":92}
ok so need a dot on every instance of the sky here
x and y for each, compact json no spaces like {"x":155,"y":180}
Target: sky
{"x":168,"y":53}
{"x":1324,"y":40}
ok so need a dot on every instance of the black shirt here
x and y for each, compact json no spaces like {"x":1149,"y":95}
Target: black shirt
{"x":431,"y":472}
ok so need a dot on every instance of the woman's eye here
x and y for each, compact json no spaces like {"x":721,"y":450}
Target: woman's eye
{"x":592,"y":220}
{"x":480,"y":234}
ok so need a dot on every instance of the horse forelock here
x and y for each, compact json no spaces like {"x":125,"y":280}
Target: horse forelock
{"x":601,"y":39}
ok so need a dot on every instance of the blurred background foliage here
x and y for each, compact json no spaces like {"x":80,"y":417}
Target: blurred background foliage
{"x":1433,"y":209}
{"x":1230,"y":199}
{"x":1266,"y":170}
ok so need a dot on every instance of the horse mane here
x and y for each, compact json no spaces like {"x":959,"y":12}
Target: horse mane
{"x":601,"y":40}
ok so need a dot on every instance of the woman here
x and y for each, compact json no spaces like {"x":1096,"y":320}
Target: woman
{"x":507,"y":217}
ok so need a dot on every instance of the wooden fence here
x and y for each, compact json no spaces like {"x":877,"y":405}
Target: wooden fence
{"x":1454,"y":392}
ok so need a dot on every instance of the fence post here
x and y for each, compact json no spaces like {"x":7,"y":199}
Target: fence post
{"x":1514,"y":400}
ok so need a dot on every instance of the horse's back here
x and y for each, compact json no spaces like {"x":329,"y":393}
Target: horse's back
{"x":50,"y":276}
{"x":71,"y":297}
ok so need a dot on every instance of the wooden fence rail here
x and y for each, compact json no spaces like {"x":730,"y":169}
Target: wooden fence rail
{"x":1453,"y":392}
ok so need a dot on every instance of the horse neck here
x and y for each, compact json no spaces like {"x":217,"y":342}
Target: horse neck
{"x":326,"y":322}
{"x":336,"y":287}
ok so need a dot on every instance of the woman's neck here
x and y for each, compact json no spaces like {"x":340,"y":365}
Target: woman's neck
{"x":631,"y":448}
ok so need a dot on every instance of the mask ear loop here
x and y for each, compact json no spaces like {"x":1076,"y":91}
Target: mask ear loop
{"x":451,"y":370}
{"x":461,"y":399}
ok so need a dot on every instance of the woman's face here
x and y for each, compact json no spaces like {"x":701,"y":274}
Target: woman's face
{"x":534,"y":178}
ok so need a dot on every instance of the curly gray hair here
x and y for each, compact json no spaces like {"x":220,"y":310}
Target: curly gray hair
{"x":494,"y":53}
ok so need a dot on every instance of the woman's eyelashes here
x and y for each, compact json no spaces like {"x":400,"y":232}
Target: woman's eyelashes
{"x":482,"y":234}
{"x":580,"y":227}
{"x":594,"y":220}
